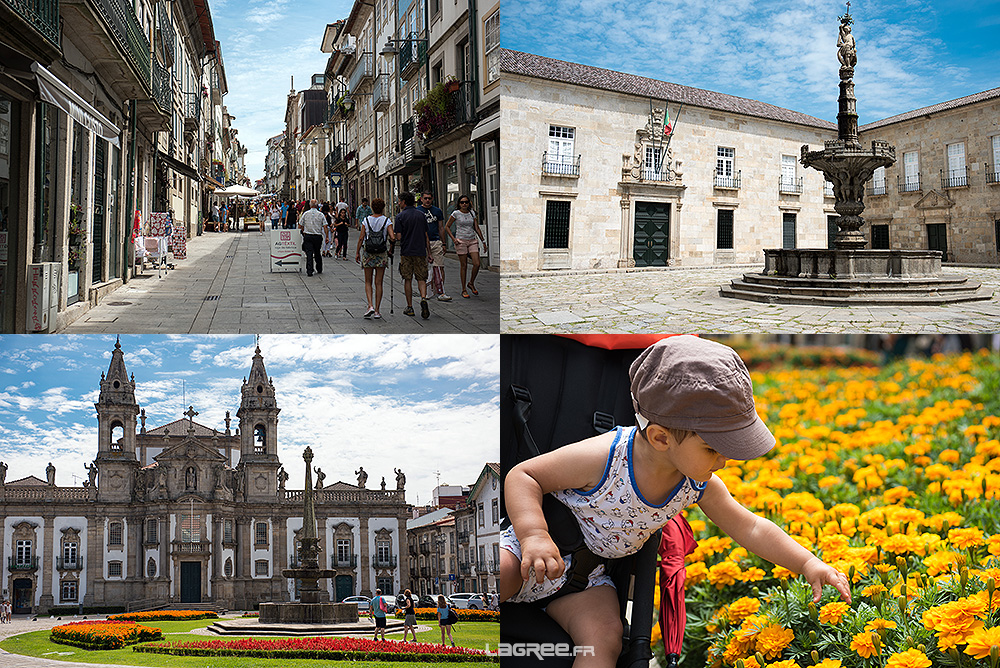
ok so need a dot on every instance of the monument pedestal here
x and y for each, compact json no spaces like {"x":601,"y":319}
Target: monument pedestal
{"x":308,"y":613}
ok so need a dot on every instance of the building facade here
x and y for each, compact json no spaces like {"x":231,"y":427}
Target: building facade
{"x":433,"y":553}
{"x":484,"y":502}
{"x":181,"y":513}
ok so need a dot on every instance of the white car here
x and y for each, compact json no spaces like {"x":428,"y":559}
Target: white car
{"x":468,"y":601}
{"x":362,"y":602}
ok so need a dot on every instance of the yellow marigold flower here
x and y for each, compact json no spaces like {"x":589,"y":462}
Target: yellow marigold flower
{"x":724,"y":573}
{"x":911,"y":658}
{"x":696,"y":572}
{"x":782,"y":573}
{"x":753,"y":574}
{"x":824,"y":483}
{"x":787,"y":663}
{"x":994,"y":545}
{"x":828,"y":663}
{"x":773,"y":639}
{"x":879,"y":623}
{"x":981,"y":641}
{"x":950,"y":456}
{"x":742,"y":608}
{"x":873,"y":590}
{"x":940,"y":562}
{"x":965,"y":538}
{"x":751,"y":662}
{"x":697,"y":526}
{"x":884,"y":568}
{"x":831,"y":613}
{"x":864,"y":645}
{"x":896,"y":494}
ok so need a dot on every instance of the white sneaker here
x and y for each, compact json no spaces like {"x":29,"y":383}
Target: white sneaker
{"x":377,"y":316}
{"x":443,"y":298}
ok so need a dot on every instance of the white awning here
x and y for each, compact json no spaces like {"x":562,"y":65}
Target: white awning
{"x":486,"y":126}
{"x":55,"y":91}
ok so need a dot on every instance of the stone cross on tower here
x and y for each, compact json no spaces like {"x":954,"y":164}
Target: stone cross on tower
{"x":190,"y":413}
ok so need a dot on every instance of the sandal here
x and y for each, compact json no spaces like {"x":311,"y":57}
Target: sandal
{"x":465,"y":294}
{"x":472,"y":289}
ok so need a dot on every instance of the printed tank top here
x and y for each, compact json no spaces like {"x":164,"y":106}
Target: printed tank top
{"x":614,"y":517}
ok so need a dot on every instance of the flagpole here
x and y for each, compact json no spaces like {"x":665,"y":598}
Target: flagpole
{"x":663,"y":153}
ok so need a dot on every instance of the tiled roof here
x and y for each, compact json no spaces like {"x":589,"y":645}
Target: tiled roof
{"x":526,"y":64}
{"x":990,"y":94}
{"x":30,"y":481}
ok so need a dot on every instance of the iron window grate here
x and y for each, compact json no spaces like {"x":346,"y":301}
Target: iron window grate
{"x":556,"y":224}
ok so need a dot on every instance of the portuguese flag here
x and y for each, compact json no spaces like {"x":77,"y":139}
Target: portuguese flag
{"x":667,"y":128}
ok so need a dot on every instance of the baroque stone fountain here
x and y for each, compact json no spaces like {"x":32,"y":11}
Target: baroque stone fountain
{"x":851,"y":274}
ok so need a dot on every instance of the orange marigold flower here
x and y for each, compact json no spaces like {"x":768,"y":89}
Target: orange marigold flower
{"x":742,"y":608}
{"x":879,"y":623}
{"x":994,"y":545}
{"x":828,"y":663}
{"x":724,"y":573}
{"x":871,"y":591}
{"x":773,"y":639}
{"x":864,"y":644}
{"x":982,"y":641}
{"x":831,"y":613}
{"x":965,"y":538}
{"x":787,"y":663}
{"x":782,"y":573}
{"x":696,"y":572}
{"x":911,"y":658}
{"x":753,"y":574}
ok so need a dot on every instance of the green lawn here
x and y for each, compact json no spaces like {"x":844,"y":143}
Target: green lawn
{"x":475,"y":635}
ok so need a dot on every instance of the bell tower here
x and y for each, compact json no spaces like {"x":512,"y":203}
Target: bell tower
{"x":116,"y":418}
{"x":258,"y":416}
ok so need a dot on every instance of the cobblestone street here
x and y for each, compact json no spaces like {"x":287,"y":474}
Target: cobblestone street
{"x":687,"y":300}
{"x":225,"y":287}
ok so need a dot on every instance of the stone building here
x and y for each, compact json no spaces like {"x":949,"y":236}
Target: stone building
{"x":943,"y":193}
{"x":181,"y":513}
{"x":600,"y":185}
{"x":433,"y":553}
{"x":484,"y":549}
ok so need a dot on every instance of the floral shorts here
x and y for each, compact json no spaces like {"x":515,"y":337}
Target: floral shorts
{"x":373,"y":260}
{"x":531,"y":590}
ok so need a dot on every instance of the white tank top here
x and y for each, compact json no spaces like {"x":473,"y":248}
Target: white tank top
{"x":613,"y":516}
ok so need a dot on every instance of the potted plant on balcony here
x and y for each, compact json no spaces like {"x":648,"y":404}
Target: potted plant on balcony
{"x":435,"y":111}
{"x":451,"y":84}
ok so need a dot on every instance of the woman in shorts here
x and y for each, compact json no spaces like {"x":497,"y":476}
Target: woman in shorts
{"x":374,"y":264}
{"x":444,"y":612}
{"x":409,"y":611}
{"x":466,"y":238}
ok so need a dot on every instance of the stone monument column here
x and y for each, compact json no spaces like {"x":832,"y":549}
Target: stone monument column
{"x":245,"y":548}
{"x":364,"y":565}
{"x":47,"y":565}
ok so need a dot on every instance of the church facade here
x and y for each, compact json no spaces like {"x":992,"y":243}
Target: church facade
{"x":182,"y":513}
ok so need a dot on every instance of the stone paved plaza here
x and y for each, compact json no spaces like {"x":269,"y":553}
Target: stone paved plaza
{"x":686,"y":300}
{"x":225,"y":287}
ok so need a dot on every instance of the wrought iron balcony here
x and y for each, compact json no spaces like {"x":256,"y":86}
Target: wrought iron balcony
{"x":458,"y":111}
{"x":425,"y":548}
{"x":565,"y":165}
{"x":332,"y":159}
{"x":362,"y":73}
{"x":343,"y":562}
{"x":406,"y":129}
{"x":380,"y":93}
{"x":909,"y":184}
{"x":385,"y":563}
{"x":412,"y":54}
{"x":727,"y":181}
{"x":64,"y":564}
{"x":192,"y":111}
{"x":425,"y":571}
{"x":124,"y":26}
{"x":791,"y":186}
{"x":653,"y":174}
{"x":22,"y":564}
{"x":465,"y":569}
{"x":163,"y":90}
{"x":876,"y":189}
{"x":463,"y":536}
{"x":956,"y":178}
{"x":42,"y":15}
{"x":413,"y":550}
{"x":992,"y":174}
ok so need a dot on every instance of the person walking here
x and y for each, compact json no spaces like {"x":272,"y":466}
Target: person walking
{"x":409,"y":611}
{"x":284,"y":214}
{"x":373,"y":254}
{"x":435,"y":218}
{"x":340,"y":227}
{"x":411,"y":227}
{"x":341,"y":205}
{"x":327,"y":229}
{"x":224,"y":212}
{"x":292,"y":217}
{"x":275,"y":216}
{"x":377,"y":610}
{"x":311,"y":223}
{"x":444,"y":618}
{"x":466,"y":238}
{"x":362,"y":212}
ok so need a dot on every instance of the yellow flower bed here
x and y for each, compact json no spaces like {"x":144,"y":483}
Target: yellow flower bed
{"x":891,"y":475}
{"x":100,"y":635}
{"x":164,"y":615}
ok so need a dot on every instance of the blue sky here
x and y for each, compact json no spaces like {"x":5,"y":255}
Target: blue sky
{"x":911,"y":53}
{"x":420,"y":403}
{"x":264,"y":42}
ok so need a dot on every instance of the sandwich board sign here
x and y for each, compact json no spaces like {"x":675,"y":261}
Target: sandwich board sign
{"x":286,"y":250}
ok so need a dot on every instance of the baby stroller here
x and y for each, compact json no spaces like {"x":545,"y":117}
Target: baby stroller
{"x":555,"y":391}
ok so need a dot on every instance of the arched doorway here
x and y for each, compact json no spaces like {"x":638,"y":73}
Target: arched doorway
{"x":23,"y":589}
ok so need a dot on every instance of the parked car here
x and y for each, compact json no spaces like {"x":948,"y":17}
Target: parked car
{"x":428,"y":601}
{"x":362,"y":602}
{"x":468,"y":601}
{"x":390,"y":603}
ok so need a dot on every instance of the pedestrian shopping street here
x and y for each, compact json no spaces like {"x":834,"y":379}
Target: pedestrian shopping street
{"x":225,"y":287}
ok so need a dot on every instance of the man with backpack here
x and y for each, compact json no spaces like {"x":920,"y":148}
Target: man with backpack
{"x":373,"y":255}
{"x":377,"y":609}
{"x":411,"y":227}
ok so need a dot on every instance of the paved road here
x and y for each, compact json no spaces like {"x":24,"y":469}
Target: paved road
{"x":225,"y":287}
{"x":685,"y":300}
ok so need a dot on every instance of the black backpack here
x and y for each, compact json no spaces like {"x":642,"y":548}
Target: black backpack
{"x":375,"y":244}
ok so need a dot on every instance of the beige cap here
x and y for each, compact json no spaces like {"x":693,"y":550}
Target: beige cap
{"x":685,"y":382}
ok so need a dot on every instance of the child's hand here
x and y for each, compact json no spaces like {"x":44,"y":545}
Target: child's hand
{"x":818,"y":573}
{"x":540,"y":552}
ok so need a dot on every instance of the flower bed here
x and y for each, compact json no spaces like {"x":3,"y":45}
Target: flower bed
{"x":891,"y":475}
{"x":353,"y":649}
{"x":164,"y":615}
{"x":103,"y":635}
{"x":250,"y":614}
{"x":464,"y":615}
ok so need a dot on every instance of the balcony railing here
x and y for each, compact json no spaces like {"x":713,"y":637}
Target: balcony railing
{"x":956,"y":178}
{"x":385,"y":563}
{"x":22,"y":564}
{"x":406,"y":129}
{"x":876,"y":189}
{"x":558,"y":166}
{"x":343,"y":562}
{"x":412,"y":54}
{"x":425,"y":571}
{"x":192,"y":108}
{"x":729,"y":181}
{"x":362,"y":73}
{"x":332,"y":159}
{"x":465,"y":569}
{"x":124,"y":26}
{"x":458,"y":111}
{"x":425,"y":548}
{"x":992,"y":174}
{"x":380,"y":92}
{"x":828,"y":189}
{"x":792,"y":186}
{"x":653,"y":174}
{"x":43,"y":15}
{"x":413,"y":550}
{"x":909,"y":184}
{"x":163,"y":91}
{"x":64,"y":564}
{"x":463,"y":536}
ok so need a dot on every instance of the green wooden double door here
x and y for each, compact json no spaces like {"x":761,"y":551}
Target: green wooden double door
{"x":651,"y":242}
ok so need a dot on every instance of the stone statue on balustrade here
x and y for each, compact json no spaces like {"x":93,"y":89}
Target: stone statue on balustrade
{"x":3,"y":473}
{"x":362,"y":476}
{"x":383,"y":483}
{"x":91,"y":469}
{"x":50,"y":474}
{"x":320,"y":477}
{"x":400,"y":478}
{"x":282,"y":478}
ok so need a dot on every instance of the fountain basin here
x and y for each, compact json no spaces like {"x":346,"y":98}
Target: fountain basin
{"x":308,"y":613}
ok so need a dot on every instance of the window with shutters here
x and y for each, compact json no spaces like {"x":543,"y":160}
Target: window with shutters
{"x":152,"y":531}
{"x":556,"y":224}
{"x":227,"y":531}
{"x":491,"y":47}
{"x":68,"y":591}
{"x":561,"y":156}
{"x":115,"y":534}
{"x":724,"y":229}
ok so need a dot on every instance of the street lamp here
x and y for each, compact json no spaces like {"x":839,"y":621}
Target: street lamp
{"x":390,"y":50}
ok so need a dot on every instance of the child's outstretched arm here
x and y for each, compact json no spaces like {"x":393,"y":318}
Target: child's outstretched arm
{"x":766,"y":539}
{"x":575,"y":466}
